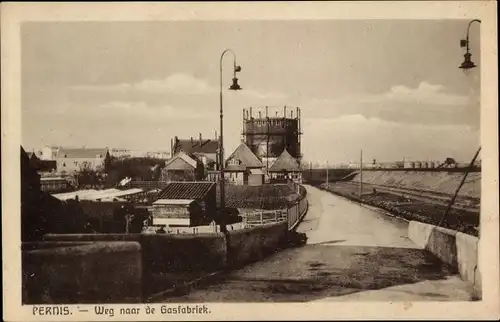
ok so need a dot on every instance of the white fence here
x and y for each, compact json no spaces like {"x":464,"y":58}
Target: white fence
{"x":291,"y":215}
{"x":263,"y":217}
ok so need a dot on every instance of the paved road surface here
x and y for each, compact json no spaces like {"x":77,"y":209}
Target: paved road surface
{"x":352,"y":253}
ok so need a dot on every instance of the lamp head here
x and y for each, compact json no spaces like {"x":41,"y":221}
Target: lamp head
{"x":237,"y":68}
{"x":235,"y":86}
{"x":467,"y":63}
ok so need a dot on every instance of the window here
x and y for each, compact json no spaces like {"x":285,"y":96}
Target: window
{"x":64,"y":164}
{"x":234,"y":162}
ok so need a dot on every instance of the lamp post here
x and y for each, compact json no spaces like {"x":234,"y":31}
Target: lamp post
{"x":233,"y":87}
{"x":468,"y":63}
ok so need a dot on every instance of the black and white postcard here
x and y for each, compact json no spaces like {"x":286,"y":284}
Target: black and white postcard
{"x":230,"y":161}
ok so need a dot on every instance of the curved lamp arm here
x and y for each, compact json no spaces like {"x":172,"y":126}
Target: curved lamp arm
{"x":468,"y":29}
{"x":220,"y":64}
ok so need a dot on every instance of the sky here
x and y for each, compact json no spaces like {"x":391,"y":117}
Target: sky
{"x":391,"y":88}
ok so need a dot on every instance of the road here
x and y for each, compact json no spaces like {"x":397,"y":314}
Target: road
{"x":353,"y":253}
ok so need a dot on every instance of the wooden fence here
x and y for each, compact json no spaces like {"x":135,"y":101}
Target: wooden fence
{"x":292,"y":214}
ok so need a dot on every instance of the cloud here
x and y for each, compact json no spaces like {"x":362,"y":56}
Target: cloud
{"x":424,"y":93}
{"x":143,"y":110}
{"x":180,"y":83}
{"x":341,"y":139}
{"x":426,"y":104}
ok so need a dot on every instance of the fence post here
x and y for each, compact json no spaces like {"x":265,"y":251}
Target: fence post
{"x":261,"y":213}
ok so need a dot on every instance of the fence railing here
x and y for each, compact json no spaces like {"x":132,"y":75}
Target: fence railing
{"x":264,"y":217}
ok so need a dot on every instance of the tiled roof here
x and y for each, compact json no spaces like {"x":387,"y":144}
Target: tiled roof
{"x":245,"y":157}
{"x":285,"y":162}
{"x":186,"y":190}
{"x":82,"y":153}
{"x":196,"y":146}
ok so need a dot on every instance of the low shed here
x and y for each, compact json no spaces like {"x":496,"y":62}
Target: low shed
{"x":177,"y":212}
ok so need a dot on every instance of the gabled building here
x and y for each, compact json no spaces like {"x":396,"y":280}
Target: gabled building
{"x":284,"y":168}
{"x":206,"y":150}
{"x":186,"y":204}
{"x":183,"y":167}
{"x":243,"y":167}
{"x":70,"y":159}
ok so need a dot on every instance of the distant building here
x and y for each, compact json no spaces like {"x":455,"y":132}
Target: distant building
{"x":120,"y":153}
{"x":54,"y":184}
{"x":49,"y":152}
{"x":158,"y":154}
{"x":204,"y":149}
{"x":243,"y":167}
{"x":186,"y":204}
{"x":286,"y":167}
{"x":182,"y":167}
{"x":70,"y":160}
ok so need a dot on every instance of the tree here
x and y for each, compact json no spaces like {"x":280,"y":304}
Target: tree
{"x":88,"y":177}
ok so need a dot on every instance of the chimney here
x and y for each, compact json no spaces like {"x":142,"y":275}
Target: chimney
{"x":216,"y":135}
{"x":192,"y":141}
{"x":260,"y":114}
{"x":201,"y":140}
{"x":171,"y":146}
{"x":250,"y":112}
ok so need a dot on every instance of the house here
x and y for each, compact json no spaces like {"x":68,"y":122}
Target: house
{"x":284,"y":168}
{"x":243,"y":167}
{"x":182,"y":167}
{"x":204,"y":149}
{"x":70,"y":159}
{"x":186,"y":201}
{"x":49,"y":152}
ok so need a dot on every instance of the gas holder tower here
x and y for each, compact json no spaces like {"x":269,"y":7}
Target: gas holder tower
{"x":269,"y":134}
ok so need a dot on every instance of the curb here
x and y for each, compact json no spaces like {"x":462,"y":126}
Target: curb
{"x":186,"y":287}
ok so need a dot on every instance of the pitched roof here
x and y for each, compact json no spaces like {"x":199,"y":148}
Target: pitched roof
{"x":189,"y":159}
{"x":186,"y":190}
{"x":285,"y":162}
{"x":246,"y":159}
{"x":195,"y":145}
{"x":81,"y":153}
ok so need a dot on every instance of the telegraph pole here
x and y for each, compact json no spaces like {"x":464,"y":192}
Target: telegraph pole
{"x":361,"y":176}
{"x":327,"y":181}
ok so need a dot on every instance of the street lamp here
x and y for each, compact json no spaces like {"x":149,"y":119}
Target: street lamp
{"x":235,"y":86}
{"x":468,"y":63}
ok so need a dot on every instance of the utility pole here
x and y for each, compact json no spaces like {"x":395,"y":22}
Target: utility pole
{"x":361,"y":176}
{"x":327,"y":181}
